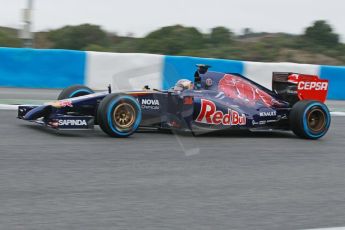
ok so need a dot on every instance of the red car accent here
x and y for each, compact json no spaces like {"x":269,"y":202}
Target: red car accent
{"x":310,"y":87}
{"x":237,"y":87}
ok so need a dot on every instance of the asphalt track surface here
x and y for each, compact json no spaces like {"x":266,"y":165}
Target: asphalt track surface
{"x":86,"y":180}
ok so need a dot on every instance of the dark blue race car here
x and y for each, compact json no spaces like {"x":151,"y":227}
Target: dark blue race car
{"x":213,"y":102}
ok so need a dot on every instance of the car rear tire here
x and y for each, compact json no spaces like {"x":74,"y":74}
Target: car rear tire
{"x":75,"y":91}
{"x":119,"y":115}
{"x":310,"y":119}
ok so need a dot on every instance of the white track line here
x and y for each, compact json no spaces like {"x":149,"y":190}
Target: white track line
{"x":338,"y":114}
{"x":8,"y":107}
{"x":339,"y":228}
{"x":15,"y":107}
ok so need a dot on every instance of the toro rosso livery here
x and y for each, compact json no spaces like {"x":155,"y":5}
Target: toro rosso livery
{"x":214,"y":101}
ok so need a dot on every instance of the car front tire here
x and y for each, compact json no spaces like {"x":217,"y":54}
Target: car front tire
{"x":119,"y":115}
{"x":75,"y":91}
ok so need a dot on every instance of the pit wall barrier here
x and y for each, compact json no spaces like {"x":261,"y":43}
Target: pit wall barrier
{"x":123,"y":71}
{"x":33,"y":68}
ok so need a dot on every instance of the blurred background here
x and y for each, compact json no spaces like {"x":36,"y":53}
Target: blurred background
{"x":270,"y":31}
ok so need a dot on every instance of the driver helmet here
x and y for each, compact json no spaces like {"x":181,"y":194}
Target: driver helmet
{"x":183,"y":84}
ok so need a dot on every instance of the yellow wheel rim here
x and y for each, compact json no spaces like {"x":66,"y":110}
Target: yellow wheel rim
{"x":316,"y":120}
{"x":124,"y":116}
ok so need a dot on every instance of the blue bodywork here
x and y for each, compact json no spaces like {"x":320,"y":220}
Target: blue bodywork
{"x":222,"y":101}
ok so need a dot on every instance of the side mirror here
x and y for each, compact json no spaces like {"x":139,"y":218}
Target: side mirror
{"x":202,"y":68}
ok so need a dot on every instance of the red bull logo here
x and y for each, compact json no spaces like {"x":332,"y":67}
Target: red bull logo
{"x":209,"y":115}
{"x":237,"y":87}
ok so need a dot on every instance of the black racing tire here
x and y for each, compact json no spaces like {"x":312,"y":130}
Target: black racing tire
{"x":75,"y":91}
{"x":310,"y":119}
{"x":119,"y":115}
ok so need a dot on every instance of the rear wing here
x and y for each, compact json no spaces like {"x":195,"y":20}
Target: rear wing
{"x":294,"y":87}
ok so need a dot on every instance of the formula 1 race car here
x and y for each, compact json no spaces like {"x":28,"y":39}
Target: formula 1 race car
{"x":213,"y":102}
